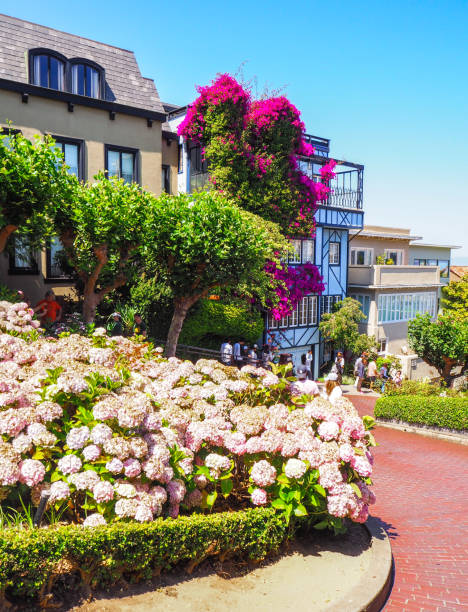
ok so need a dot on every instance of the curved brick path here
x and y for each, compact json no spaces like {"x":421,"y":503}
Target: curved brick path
{"x":421,"y":485}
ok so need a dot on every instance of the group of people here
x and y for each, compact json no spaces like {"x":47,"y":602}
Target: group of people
{"x":366,"y":367}
{"x":116,"y":327}
{"x":240,"y":353}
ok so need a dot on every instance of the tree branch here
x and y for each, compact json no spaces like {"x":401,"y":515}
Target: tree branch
{"x":5,"y":233}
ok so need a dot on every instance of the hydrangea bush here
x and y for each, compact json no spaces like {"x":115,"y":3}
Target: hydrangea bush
{"x":113,"y":431}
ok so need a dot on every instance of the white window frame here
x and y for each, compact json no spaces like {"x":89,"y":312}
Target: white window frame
{"x":398,"y":307}
{"x":334,"y":254}
{"x":295,"y":254}
{"x":362,"y":298}
{"x":399,"y":255}
{"x":368,"y":256}
{"x":308,"y":245}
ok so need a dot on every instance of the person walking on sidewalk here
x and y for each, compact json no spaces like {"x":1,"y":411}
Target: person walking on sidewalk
{"x":361,"y":373}
{"x":340,"y":363}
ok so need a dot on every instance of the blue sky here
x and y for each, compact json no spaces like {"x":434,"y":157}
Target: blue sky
{"x":386,"y":81}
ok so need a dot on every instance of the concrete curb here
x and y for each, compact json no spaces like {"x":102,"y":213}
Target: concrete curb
{"x":371,"y":593}
{"x":430,"y":432}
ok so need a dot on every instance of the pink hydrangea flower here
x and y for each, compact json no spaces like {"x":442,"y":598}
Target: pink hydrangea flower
{"x":32,"y":472}
{"x":295,"y":468}
{"x":77,"y":437}
{"x":115,"y":466}
{"x":263,"y":473}
{"x":91,"y":452}
{"x":132,"y":468}
{"x":328,"y":430}
{"x":259,"y":497}
{"x":103,"y":491}
{"x":59,"y":490}
{"x":94,"y":520}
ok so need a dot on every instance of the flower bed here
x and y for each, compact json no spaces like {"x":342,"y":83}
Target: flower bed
{"x":111,"y":431}
{"x":433,"y":411}
{"x":31,"y":561}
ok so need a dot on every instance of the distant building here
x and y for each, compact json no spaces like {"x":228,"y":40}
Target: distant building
{"x":335,"y":218}
{"x":457,"y":272}
{"x":103,"y":114}
{"x":395,"y":278}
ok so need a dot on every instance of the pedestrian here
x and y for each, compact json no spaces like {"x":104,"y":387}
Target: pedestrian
{"x":361,"y":373}
{"x":309,"y":362}
{"x":266,"y":357}
{"x":139,"y":327}
{"x":397,"y":379}
{"x":48,"y":309}
{"x":383,"y":376}
{"x":303,"y":386}
{"x":356,"y":366}
{"x":372,"y":372}
{"x":252,"y":358}
{"x":276,"y":355}
{"x":116,"y":328}
{"x":340,"y":364}
{"x":238,"y":353}
{"x":332,"y":390}
{"x":226,"y":355}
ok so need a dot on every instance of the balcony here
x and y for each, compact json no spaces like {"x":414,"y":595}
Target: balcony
{"x":388,"y":277}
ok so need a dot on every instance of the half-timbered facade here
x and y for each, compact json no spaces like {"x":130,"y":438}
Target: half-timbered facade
{"x":328,"y":250}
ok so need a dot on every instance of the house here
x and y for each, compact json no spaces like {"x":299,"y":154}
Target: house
{"x":342,"y":212}
{"x":102,"y":113}
{"x":392,"y":289}
{"x":425,"y":254}
{"x":457,"y":272}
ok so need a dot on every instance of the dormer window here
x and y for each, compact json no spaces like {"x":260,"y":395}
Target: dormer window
{"x":86,"y":80}
{"x":48,"y":71}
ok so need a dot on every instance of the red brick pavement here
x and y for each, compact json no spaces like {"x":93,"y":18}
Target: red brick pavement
{"x":421,"y":485}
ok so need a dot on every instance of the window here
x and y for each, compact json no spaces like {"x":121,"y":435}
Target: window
{"x":420,"y":262}
{"x":444,"y":268}
{"x":307,"y":310}
{"x":166,"y":179}
{"x":328,"y":301}
{"x":22,"y":257}
{"x":396,"y":255}
{"x":364,"y":300}
{"x":293,"y":318}
{"x":180,"y":158}
{"x":272,"y":322}
{"x":86,"y":80}
{"x":361,"y":257}
{"x":295,"y":254}
{"x":405,"y":307}
{"x":383,"y":346}
{"x":334,"y":254}
{"x":48,"y":71}
{"x":54,"y":259}
{"x":71,"y":151}
{"x":198,"y":169}
{"x":308,"y":251}
{"x":122,"y":163}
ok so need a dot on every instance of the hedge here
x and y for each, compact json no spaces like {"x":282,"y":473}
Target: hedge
{"x":435,"y":411}
{"x":31,"y":560}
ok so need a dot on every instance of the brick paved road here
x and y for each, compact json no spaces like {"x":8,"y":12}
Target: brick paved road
{"x":421,"y":485}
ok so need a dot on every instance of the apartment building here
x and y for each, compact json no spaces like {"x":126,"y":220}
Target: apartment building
{"x":103,"y":114}
{"x":395,"y":277}
{"x":335,"y":218}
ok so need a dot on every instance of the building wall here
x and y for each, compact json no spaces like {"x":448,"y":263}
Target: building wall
{"x":426,"y":252}
{"x":44,"y":116}
{"x":170,"y":158}
{"x":380,"y":245}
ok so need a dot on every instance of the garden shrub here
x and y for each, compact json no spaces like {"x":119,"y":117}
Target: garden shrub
{"x":418,"y":387}
{"x":434,"y":411}
{"x":29,"y":559}
{"x":214,"y":321}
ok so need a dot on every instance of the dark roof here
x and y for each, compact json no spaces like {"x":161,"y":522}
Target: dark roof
{"x":124,"y":83}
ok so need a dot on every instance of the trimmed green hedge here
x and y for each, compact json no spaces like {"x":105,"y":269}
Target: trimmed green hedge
{"x":435,"y":411}
{"x":30,"y":560}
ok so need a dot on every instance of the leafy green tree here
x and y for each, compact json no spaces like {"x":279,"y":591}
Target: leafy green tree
{"x":34,"y":183}
{"x":199,"y":242}
{"x":100,"y":232}
{"x":442,"y":344}
{"x":341,"y":327}
{"x":455,"y":298}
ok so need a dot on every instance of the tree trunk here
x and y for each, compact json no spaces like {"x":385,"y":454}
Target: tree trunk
{"x":181,"y":307}
{"x":90,"y":303}
{"x":447,"y":369}
{"x":5,"y":233}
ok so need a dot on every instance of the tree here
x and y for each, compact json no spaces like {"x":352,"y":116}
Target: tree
{"x":455,"y":298}
{"x":341,"y":327}
{"x":100,"y":231}
{"x":199,"y":242}
{"x":34,"y":183}
{"x":442,"y":344}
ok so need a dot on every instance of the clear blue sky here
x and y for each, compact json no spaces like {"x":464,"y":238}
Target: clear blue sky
{"x":386,"y":81}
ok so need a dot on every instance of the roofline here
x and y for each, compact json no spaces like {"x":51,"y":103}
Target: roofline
{"x":64,"y":32}
{"x":65,"y":96}
{"x":438,"y":246}
{"x":415,"y":286}
{"x":365,"y":234}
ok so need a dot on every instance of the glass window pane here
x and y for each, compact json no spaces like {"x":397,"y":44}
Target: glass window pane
{"x":444,"y":268}
{"x":78,"y":79}
{"x":432,"y":262}
{"x":113,"y":163}
{"x":56,"y":74}
{"x":295,"y":255}
{"x":71,"y":158}
{"x":360,"y":258}
{"x":41,"y":70}
{"x":308,"y":251}
{"x":55,"y":254}
{"x":127,"y":167}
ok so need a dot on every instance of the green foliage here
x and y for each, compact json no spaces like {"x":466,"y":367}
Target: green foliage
{"x":442,"y":343}
{"x":341,"y":327}
{"x":391,"y":361}
{"x":34,"y":184}
{"x":214,"y":320}
{"x":418,"y":387}
{"x":153,"y":299}
{"x":455,"y":298}
{"x":9,"y":295}
{"x":29,"y":558}
{"x":448,"y":412}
